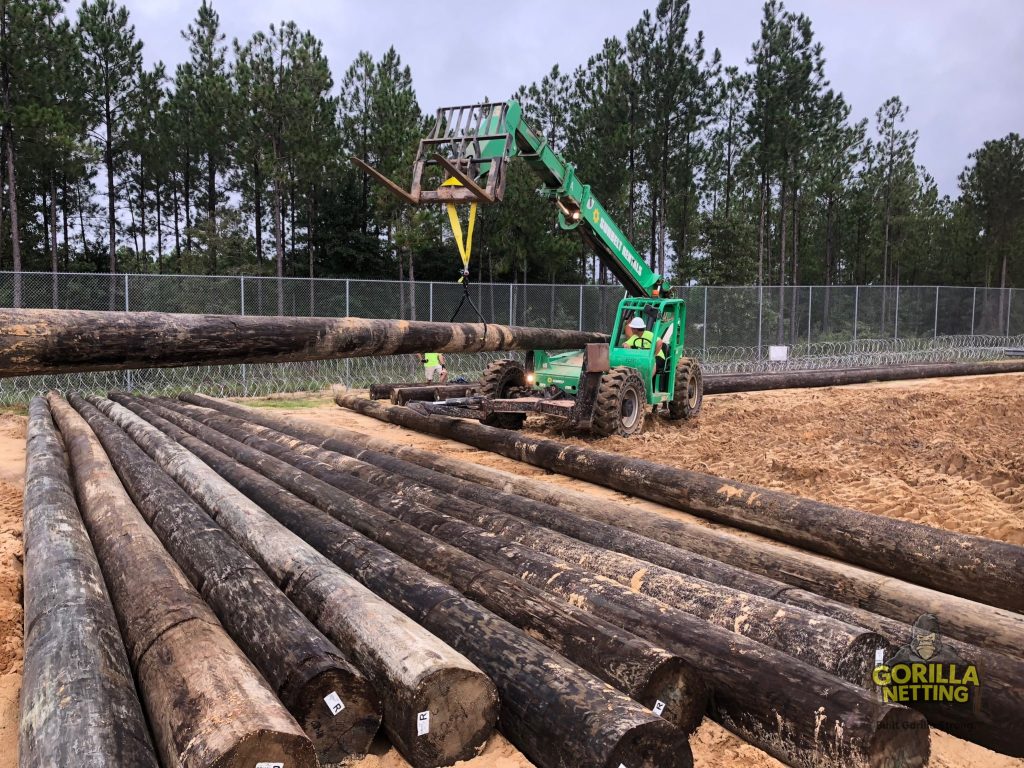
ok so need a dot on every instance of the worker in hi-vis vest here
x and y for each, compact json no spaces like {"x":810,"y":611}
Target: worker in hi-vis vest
{"x":433,"y":364}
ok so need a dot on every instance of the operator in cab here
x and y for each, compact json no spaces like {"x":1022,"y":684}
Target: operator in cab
{"x":638,"y":337}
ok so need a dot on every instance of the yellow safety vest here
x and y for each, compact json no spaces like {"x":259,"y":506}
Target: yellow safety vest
{"x":431,"y":359}
{"x":644,"y":340}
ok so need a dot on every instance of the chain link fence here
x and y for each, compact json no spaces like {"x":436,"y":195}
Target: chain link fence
{"x":730,"y":329}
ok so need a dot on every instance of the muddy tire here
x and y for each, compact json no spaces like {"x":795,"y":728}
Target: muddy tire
{"x":621,"y":405}
{"x":499,"y":378}
{"x":689,"y":394}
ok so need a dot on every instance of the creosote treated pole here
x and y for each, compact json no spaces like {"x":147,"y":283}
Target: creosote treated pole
{"x":72,"y":641}
{"x":740,"y":560}
{"x":637,"y":667}
{"x":834,"y":646}
{"x":871,"y":731}
{"x":50,"y":341}
{"x":207,"y":704}
{"x":332,"y":700}
{"x":413,"y":670}
{"x":974,"y":567}
{"x":752,"y":382}
{"x":557,"y":713}
{"x":583,"y":517}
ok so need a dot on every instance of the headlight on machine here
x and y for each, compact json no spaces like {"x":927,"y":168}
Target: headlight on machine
{"x":529,"y":378}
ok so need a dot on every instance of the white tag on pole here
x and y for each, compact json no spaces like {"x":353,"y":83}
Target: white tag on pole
{"x":334,"y":702}
{"x":658,"y":708}
{"x":423,"y":723}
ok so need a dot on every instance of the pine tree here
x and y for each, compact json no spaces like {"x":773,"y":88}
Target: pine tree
{"x":112,"y":59}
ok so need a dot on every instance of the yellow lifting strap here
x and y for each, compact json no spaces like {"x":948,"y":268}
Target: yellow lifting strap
{"x":465,"y":246}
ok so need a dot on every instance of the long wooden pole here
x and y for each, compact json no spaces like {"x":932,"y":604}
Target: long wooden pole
{"x":413,"y":670}
{"x":206,"y":702}
{"x":554,"y":711}
{"x":593,"y":520}
{"x":834,"y":646}
{"x":751,"y":382}
{"x":744,"y":561}
{"x":730,"y":661}
{"x":77,"y":692}
{"x":637,"y":667}
{"x":50,"y":341}
{"x":330,"y":698}
{"x":974,"y":567}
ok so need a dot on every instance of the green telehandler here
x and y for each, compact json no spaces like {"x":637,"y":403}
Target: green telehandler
{"x":604,"y":388}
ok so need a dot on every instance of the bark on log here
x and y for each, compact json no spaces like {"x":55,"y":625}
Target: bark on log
{"x":823,"y":585}
{"x":207,"y":704}
{"x":753,"y":382}
{"x":861,"y":730}
{"x":977,"y":568}
{"x":384,"y":391}
{"x":647,"y":673}
{"x":834,"y":646}
{"x":49,"y":341}
{"x":557,"y":713}
{"x":581,"y":516}
{"x":413,"y":670}
{"x":331,"y":700}
{"x":77,"y":693}
{"x":403,"y":395}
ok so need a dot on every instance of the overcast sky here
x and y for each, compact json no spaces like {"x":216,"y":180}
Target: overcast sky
{"x":958,"y":64}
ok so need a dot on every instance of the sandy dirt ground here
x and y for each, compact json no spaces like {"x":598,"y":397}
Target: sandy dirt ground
{"x":947,"y":453}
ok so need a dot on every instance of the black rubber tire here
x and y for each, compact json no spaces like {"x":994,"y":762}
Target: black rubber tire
{"x":498,"y":379}
{"x":689,"y":394}
{"x":621,"y":405}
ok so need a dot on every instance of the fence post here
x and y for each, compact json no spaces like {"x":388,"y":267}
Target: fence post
{"x":510,"y":304}
{"x":347,"y":312}
{"x":936,"y":334}
{"x":760,"y":317}
{"x":125,"y":291}
{"x":581,"y":308}
{"x":1009,"y":306}
{"x":896,"y":317}
{"x":974,"y":303}
{"x":856,"y":309}
{"x":431,"y":302}
{"x":704,"y":345}
{"x":241,"y":292}
{"x":810,"y":297}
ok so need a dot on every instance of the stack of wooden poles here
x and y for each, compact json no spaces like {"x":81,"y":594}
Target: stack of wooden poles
{"x":280,"y":589}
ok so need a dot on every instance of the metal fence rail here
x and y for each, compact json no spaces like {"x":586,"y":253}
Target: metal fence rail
{"x":728,"y":327}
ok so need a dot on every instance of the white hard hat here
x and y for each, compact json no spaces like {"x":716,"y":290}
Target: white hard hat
{"x":638,"y":323}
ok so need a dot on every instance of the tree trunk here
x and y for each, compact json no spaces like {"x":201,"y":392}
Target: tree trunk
{"x":188,"y":201}
{"x":159,"y":230}
{"x":54,"y":263}
{"x":52,"y":341}
{"x":258,"y":212}
{"x":302,"y":666}
{"x":177,"y":231}
{"x":108,"y":160}
{"x":761,"y":235}
{"x":413,"y":670}
{"x":279,"y":244}
{"x":64,"y":207}
{"x":12,"y":193}
{"x":205,"y":708}
{"x":142,"y":203}
{"x":72,"y":641}
{"x":969,"y":566}
{"x":211,"y":209}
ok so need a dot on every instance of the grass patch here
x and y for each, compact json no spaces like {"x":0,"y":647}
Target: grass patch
{"x":17,"y":410}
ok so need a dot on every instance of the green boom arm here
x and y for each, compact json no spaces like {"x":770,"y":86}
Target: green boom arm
{"x":578,"y":208}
